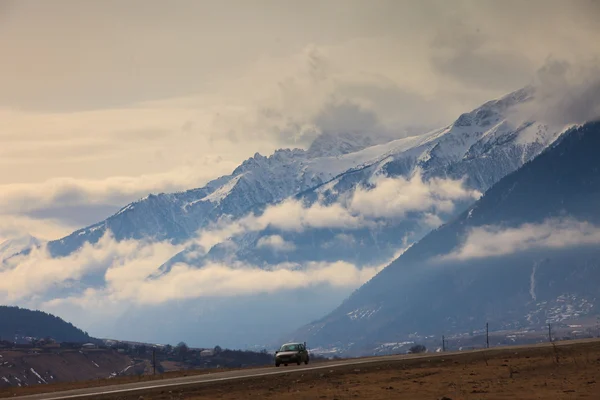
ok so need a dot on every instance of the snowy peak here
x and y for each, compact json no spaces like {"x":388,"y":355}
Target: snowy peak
{"x":16,"y":245}
{"x":281,"y":156}
{"x":337,"y":144}
{"x":483,"y":128}
{"x":494,"y":111}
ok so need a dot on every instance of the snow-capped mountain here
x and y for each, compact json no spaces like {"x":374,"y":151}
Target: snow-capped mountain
{"x":258,"y":180}
{"x":481,"y":146}
{"x":16,"y":245}
{"x":524,"y":255}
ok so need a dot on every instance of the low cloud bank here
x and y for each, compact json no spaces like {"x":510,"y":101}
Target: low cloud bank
{"x":127,"y":269}
{"x":389,"y":198}
{"x":494,"y":241}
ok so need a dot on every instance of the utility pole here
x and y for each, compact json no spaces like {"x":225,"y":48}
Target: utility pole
{"x":487,"y":335}
{"x":549,"y":332}
{"x":443,"y":343}
{"x":154,"y":360}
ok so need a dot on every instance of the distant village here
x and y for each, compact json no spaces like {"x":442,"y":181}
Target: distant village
{"x":182,"y":354}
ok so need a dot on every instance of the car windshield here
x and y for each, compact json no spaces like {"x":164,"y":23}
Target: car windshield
{"x":289,"y":347}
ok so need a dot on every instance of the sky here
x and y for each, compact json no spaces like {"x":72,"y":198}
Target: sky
{"x":104,"y":102}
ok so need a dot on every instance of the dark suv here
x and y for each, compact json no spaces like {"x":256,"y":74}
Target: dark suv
{"x":291,"y":353}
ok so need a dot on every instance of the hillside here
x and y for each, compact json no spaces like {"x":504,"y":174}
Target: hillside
{"x":524,"y":255}
{"x":26,"y":368}
{"x":20,"y":322}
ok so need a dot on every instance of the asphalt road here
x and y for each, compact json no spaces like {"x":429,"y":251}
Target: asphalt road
{"x":131,"y":388}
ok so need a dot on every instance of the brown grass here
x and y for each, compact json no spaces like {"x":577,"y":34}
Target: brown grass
{"x":563,"y":372}
{"x":532,"y":373}
{"x":74,"y":385}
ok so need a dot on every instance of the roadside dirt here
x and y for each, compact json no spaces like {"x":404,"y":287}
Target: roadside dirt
{"x":72,"y":385}
{"x":21,"y":368}
{"x":567,"y":372}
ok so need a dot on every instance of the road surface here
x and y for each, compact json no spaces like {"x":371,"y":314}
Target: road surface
{"x":138,"y":388}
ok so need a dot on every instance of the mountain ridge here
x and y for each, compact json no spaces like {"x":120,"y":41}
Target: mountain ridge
{"x":467,"y":156}
{"x":415,"y":292}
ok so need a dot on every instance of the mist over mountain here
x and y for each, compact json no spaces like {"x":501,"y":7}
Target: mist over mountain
{"x":13,"y":246}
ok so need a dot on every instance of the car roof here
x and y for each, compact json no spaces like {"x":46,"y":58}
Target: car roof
{"x":288,"y":344}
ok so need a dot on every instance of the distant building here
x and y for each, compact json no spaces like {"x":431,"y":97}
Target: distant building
{"x":69,"y":345}
{"x":89,"y":346}
{"x":207,"y":353}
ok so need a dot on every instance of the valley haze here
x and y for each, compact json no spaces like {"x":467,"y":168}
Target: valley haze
{"x":242,"y":174}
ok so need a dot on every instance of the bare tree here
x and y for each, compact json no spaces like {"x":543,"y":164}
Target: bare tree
{"x":418,"y":348}
{"x":182,"y":350}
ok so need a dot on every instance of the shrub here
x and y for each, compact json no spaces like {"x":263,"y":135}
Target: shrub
{"x":418,"y":348}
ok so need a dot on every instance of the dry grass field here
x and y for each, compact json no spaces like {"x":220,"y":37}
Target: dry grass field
{"x":569,"y":371}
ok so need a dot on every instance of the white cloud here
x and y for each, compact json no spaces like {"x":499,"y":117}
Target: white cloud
{"x":218,"y":280}
{"x":125,"y":265}
{"x":394,"y":197}
{"x":432,"y":220}
{"x":493,"y":241}
{"x":14,"y":226}
{"x":115,"y":190}
{"x":126,"y":268}
{"x":290,"y":215}
{"x":32,"y":275}
{"x":343,"y":239}
{"x":566,"y":93}
{"x":389,"y":198}
{"x":275,"y":242}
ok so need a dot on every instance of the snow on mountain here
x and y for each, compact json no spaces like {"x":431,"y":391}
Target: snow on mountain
{"x":481,"y":146}
{"x":16,"y":245}
{"x":524,"y":255}
{"x":258,"y":180}
{"x":336,"y":144}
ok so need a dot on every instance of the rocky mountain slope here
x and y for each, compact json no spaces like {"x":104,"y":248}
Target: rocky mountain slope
{"x":525,"y":254}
